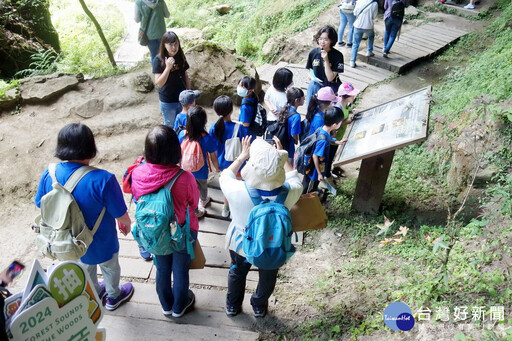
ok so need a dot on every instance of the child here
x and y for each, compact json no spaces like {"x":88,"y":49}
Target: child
{"x":275,"y":98}
{"x":195,"y":131}
{"x":222,"y":131}
{"x":245,"y":89}
{"x":332,"y":121}
{"x":317,"y":106}
{"x":295,"y":97}
{"x":188,"y":100}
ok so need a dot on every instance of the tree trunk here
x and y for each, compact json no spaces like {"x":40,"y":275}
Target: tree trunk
{"x":100,"y":32}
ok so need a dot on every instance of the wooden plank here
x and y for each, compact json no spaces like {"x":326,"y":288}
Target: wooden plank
{"x":358,"y":84}
{"x":141,"y":323}
{"x":212,"y":225}
{"x":402,"y":50}
{"x":211,"y":239}
{"x":363,"y":74}
{"x":410,"y":45}
{"x":438,"y":33}
{"x":135,"y":268}
{"x":427,"y":37}
{"x":449,"y":31}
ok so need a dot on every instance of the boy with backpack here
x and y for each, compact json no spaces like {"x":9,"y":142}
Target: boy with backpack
{"x":312,"y":156}
{"x":393,"y":17}
{"x":100,"y":200}
{"x":261,"y":202}
{"x":188,"y":100}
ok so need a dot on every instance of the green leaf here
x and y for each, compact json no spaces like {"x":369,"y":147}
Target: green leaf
{"x":336,"y":329}
{"x":460,"y":337}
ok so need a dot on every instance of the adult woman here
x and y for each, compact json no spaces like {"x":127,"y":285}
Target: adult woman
{"x":97,"y":189}
{"x":162,"y":153}
{"x":365,"y":12}
{"x":324,"y":62}
{"x":346,"y":17}
{"x":151,"y":14}
{"x":267,"y":170}
{"x":170,"y":68}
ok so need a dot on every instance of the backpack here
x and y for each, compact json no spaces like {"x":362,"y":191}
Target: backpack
{"x":180,"y":128}
{"x":397,"y":9}
{"x":62,"y":231}
{"x":305,"y":126}
{"x":347,"y":6}
{"x":302,"y":160}
{"x":127,"y":176}
{"x":281,"y":131}
{"x":192,"y":157}
{"x":258,"y":123}
{"x":267,"y":241}
{"x":156,"y":228}
{"x":233,"y":146}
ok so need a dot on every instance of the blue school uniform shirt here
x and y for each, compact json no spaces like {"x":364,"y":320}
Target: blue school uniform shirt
{"x":322,"y":149}
{"x":181,"y":120}
{"x":96,"y":190}
{"x":228,"y":133}
{"x":208,"y":145}
{"x":317,"y":122}
{"x":294,"y":128}
{"x":247,"y":110}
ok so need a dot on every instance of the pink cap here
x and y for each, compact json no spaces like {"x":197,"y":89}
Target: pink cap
{"x":327,"y":94}
{"x":347,"y":89}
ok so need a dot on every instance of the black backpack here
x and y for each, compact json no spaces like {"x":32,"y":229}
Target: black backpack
{"x":258,"y":123}
{"x":397,"y":9}
{"x":303,"y":158}
{"x":281,"y":131}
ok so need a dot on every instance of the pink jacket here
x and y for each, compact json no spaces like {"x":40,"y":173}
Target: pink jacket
{"x":149,"y":177}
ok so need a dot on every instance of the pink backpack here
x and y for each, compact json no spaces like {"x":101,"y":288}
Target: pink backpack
{"x":192,"y":158}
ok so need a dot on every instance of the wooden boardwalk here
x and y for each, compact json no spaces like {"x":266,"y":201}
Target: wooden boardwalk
{"x":412,"y":47}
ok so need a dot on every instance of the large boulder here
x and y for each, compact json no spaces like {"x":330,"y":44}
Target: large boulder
{"x":216,"y":71}
{"x":41,"y":89}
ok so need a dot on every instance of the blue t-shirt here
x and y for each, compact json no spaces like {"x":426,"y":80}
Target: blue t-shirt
{"x":96,"y":190}
{"x":322,"y":149}
{"x":294,"y":128}
{"x":228,"y":133}
{"x":247,"y":110}
{"x":181,"y":120}
{"x":208,"y":145}
{"x":317,"y":122}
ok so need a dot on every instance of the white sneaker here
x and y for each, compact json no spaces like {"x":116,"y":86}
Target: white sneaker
{"x":369,"y":54}
{"x":200,"y":212}
{"x":469,"y":6}
{"x":352,"y":64}
{"x":204,"y":203}
{"x":225,"y":211}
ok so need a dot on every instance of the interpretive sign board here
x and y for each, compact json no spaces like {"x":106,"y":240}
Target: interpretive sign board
{"x":386,"y":127}
{"x":59,"y":305}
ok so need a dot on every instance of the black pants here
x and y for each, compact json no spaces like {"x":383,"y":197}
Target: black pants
{"x":332,"y":154}
{"x":236,"y":283}
{"x":305,"y":185}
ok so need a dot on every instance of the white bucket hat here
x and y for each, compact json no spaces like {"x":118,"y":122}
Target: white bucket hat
{"x":265,"y":168}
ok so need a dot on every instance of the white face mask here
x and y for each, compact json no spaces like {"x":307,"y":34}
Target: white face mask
{"x":241,"y":91}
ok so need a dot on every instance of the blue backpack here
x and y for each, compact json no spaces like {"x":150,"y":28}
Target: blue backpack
{"x":156,"y":228}
{"x":267,"y":241}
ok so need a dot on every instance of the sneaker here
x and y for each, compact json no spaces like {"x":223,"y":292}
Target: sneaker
{"x":144,"y":253}
{"x":225,"y":211}
{"x":232,"y":311}
{"x":469,"y":6}
{"x":370,"y":54}
{"x":191,"y":299}
{"x":200,"y":212}
{"x":352,"y":64}
{"x":126,"y":294}
{"x":349,"y":45}
{"x":385,"y":54}
{"x":341,"y":44}
{"x":259,"y":311}
{"x":205,"y":203}
{"x":103,"y":293}
{"x":167,"y":313}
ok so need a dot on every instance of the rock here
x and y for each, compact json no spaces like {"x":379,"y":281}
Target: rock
{"x":121,"y":100}
{"x":9,"y":99}
{"x":42,"y":89}
{"x":411,"y":10}
{"x":215,"y":71}
{"x":88,"y":109}
{"x":188,"y":36}
{"x":221,"y":9}
{"x":141,"y":82}
{"x":484,"y":177}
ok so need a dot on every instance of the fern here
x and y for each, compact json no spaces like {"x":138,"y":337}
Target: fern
{"x":43,"y":62}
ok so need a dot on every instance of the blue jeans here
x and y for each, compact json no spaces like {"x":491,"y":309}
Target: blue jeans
{"x":173,"y":296}
{"x":111,"y":271}
{"x":153,"y":46}
{"x":358,"y":35}
{"x":313,"y":88}
{"x":346,"y":18}
{"x":169,"y":112}
{"x":392,"y":27}
{"x":236,"y":283}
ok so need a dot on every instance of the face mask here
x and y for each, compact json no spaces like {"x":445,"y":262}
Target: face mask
{"x":241,"y":91}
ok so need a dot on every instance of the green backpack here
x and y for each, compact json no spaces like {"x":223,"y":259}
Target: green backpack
{"x":61,"y":228}
{"x":156,"y":228}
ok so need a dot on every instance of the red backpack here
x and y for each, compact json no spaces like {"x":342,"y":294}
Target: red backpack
{"x":192,"y":158}
{"x":127,"y":176}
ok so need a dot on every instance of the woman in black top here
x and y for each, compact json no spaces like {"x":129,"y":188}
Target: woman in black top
{"x":324,"y":62}
{"x":170,"y":68}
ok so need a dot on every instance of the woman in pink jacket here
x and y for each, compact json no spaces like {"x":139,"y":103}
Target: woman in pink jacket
{"x":162,"y":153}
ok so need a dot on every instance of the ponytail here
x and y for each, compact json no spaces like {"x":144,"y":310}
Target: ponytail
{"x":281,"y":117}
{"x":314,"y":105}
{"x":196,"y":122}
{"x":219,"y":128}
{"x":223,"y":106}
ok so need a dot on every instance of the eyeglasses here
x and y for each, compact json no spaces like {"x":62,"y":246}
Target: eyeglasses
{"x":323,"y":39}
